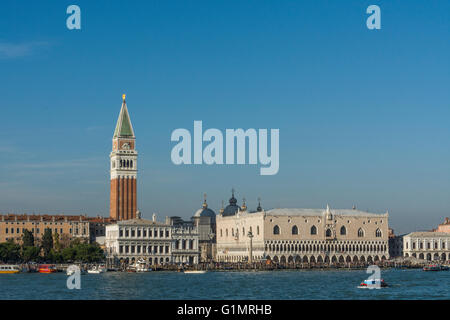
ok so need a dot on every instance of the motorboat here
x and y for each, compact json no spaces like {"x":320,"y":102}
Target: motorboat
{"x":97,"y":270}
{"x":373,"y":284}
{"x":141,"y":266}
{"x":71,"y":271}
{"x":47,"y":268}
{"x":9,"y":269}
{"x":435,"y":267}
{"x":195,"y":271}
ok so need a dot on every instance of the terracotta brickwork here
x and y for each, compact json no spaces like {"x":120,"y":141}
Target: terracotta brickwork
{"x":123,"y":192}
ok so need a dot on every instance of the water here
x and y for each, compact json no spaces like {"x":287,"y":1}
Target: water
{"x":339,"y":284}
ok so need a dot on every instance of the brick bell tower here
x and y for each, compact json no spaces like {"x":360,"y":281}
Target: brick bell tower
{"x":123,"y":200}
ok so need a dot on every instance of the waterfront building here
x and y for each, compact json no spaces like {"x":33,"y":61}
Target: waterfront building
{"x":97,"y":229}
{"x":395,"y":244}
{"x":445,"y":226}
{"x":185,"y":241}
{"x":205,"y":222}
{"x":123,"y":168}
{"x":68,"y":227}
{"x":431,"y":246}
{"x":157,"y":243}
{"x":301,"y":235}
{"x":130,"y":240}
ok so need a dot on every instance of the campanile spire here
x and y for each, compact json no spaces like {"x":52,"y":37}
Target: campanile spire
{"x":123,"y":168}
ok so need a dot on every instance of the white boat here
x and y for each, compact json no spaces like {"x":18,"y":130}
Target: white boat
{"x":373,"y":284}
{"x":97,"y":270}
{"x":143,"y":269}
{"x":70,"y":272}
{"x":141,"y":266}
{"x":9,"y":268}
{"x":195,"y":271}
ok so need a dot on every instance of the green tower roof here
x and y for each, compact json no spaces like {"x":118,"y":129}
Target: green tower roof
{"x":124,"y":127}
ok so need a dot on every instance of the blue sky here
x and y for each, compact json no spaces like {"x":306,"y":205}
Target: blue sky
{"x":363,"y":115}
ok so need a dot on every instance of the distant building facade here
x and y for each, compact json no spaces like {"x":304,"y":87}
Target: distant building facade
{"x":445,"y":226}
{"x":154,"y":242}
{"x":205,"y":221}
{"x":301,"y":235}
{"x":185,"y":241}
{"x":70,"y":227}
{"x":395,"y":244}
{"x":431,"y":246}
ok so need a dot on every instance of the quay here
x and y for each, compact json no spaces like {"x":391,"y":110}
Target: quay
{"x":240,"y":266}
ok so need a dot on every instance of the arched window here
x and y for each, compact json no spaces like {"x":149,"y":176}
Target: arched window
{"x":360,"y":233}
{"x":294,"y":230}
{"x":226,"y":232}
{"x":328,"y":233}
{"x":131,"y":163}
{"x":343,"y":231}
{"x":378,"y":233}
{"x":276,"y":230}
{"x":257,"y":230}
{"x":221,"y":234}
{"x":313,"y":230}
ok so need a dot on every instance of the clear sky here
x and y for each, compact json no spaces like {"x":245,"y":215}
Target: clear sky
{"x":363,"y":114}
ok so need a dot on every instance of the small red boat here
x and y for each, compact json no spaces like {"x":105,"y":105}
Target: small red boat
{"x":47,"y":268}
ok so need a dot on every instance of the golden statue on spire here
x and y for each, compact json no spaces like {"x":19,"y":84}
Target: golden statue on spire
{"x":204,"y":201}
{"x":123,"y":97}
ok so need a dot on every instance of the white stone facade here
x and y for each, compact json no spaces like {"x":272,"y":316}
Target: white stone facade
{"x":156,"y":243}
{"x":185,"y":246}
{"x":431,"y":246}
{"x":130,"y":240}
{"x":304,"y":235}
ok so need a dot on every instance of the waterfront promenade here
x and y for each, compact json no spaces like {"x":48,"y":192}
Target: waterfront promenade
{"x":257,"y":266}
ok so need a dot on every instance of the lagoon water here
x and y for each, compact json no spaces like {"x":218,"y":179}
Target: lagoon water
{"x":327,"y":284}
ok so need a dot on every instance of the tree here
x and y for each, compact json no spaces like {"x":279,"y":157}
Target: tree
{"x":69,"y":254}
{"x":9,"y":252}
{"x":47,"y":242}
{"x":64,"y":241}
{"x":89,"y":253}
{"x":54,"y":256}
{"x":27,"y":238}
{"x":56,"y":243}
{"x":30,"y":253}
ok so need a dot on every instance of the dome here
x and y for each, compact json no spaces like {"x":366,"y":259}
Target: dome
{"x":205,"y":211}
{"x":232,"y":208}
